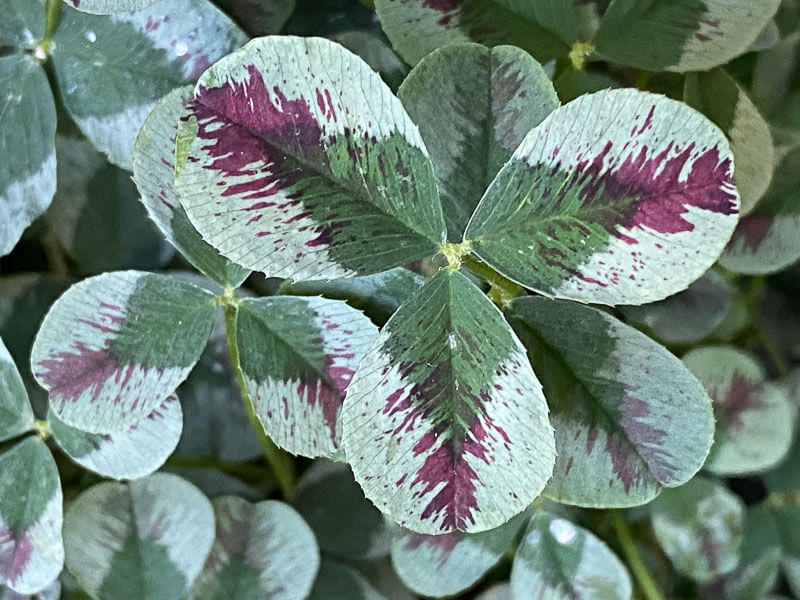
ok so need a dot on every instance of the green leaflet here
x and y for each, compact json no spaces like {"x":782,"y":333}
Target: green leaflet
{"x":474,"y":106}
{"x":154,"y":173}
{"x":147,"y":539}
{"x":628,"y":417}
{"x":754,"y":418}
{"x":444,"y":423}
{"x":31,"y":552}
{"x":115,"y":345}
{"x":699,"y":526}
{"x":558,"y":560}
{"x":628,"y":208}
{"x":298,"y":356}
{"x":337,"y":581}
{"x":22,"y":23}
{"x":130,"y":454}
{"x":262,"y":550}
{"x":27,"y":144}
{"x":107,"y":7}
{"x":16,"y":416}
{"x":680,"y":35}
{"x":329,"y":177}
{"x":92,"y":57}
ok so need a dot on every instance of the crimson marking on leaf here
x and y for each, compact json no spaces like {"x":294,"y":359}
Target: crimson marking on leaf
{"x":740,"y":398}
{"x":69,"y":374}
{"x":444,"y":543}
{"x":16,"y":553}
{"x":330,"y":393}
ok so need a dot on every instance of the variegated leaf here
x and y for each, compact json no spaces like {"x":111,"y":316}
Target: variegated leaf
{"x":296,"y":160}
{"x":444,"y":423}
{"x":298,"y":356}
{"x":699,"y":527}
{"x":754,"y":418}
{"x":474,"y":106}
{"x":16,"y":416}
{"x":346,"y":524}
{"x":27,"y":140}
{"x":443,"y":565}
{"x":146,"y":539}
{"x":31,"y":552}
{"x":680,"y":35}
{"x":627,"y":208}
{"x":558,"y":560}
{"x":629,"y":417}
{"x":92,"y":55}
{"x":718,"y":96}
{"x":417,"y":27}
{"x":115,"y":345}
{"x":262,"y":550}
{"x":22,"y":23}
{"x":130,"y":454}
{"x":338,"y":581}
{"x":51,"y":592}
{"x":107,"y":7}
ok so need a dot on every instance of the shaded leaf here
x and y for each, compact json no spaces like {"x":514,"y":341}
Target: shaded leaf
{"x":298,"y":356}
{"x":146,"y":539}
{"x":629,"y":417}
{"x":115,"y":345}
{"x":22,"y":23}
{"x":107,"y":7}
{"x":381,"y":575}
{"x":443,"y":565}
{"x":27,"y":140}
{"x":259,"y":17}
{"x":577,"y":82}
{"x":129,"y":454}
{"x":376,"y":53}
{"x":16,"y":416}
{"x":154,"y":174}
{"x":92,"y":56}
{"x":262,"y":550}
{"x":31,"y":552}
{"x":561,"y":561}
{"x":699,"y":527}
{"x":628,"y":208}
{"x":330,"y":177}
{"x":337,"y":581}
{"x":474,"y":106}
{"x":444,"y":424}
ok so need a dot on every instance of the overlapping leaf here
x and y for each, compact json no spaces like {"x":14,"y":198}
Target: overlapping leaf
{"x":262,"y":550}
{"x":295,"y":159}
{"x":107,"y":7}
{"x":16,"y":416}
{"x":629,"y":417}
{"x":628,"y":207}
{"x":92,"y":56}
{"x":27,"y":144}
{"x":22,"y":23}
{"x":129,"y":454}
{"x":298,"y":356}
{"x":145,"y":539}
{"x":376,"y":53}
{"x":115,"y":345}
{"x":443,"y":565}
{"x":444,"y":423}
{"x":754,"y":418}
{"x":337,"y":581}
{"x":474,"y":106}
{"x":31,"y":552}
{"x":561,"y":561}
{"x":51,"y":592}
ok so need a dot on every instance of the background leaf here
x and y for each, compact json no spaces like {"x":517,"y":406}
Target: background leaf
{"x":337,"y":581}
{"x":145,"y":539}
{"x":259,"y":17}
{"x":376,"y":53}
{"x":22,"y":23}
{"x":627,"y":209}
{"x":444,"y":424}
{"x":16,"y":416}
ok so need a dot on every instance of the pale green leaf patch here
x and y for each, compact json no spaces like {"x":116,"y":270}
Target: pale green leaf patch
{"x":16,"y":416}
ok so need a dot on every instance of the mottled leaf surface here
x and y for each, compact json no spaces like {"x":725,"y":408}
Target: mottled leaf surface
{"x":31,"y":552}
{"x":628,"y":207}
{"x":27,"y":145}
{"x":16,"y":416}
{"x":298,"y":356}
{"x":129,"y":454}
{"x":262,"y":550}
{"x":329,"y":176}
{"x":558,"y":560}
{"x":680,"y":35}
{"x":444,"y":423}
{"x":474,"y":106}
{"x":115,"y":345}
{"x":629,"y":417}
{"x":417,"y":27}
{"x":142,"y":540}
{"x":337,"y":581}
{"x":107,"y":7}
{"x":443,"y":565}
{"x":93,"y":54}
{"x":699,"y":527}
{"x":22,"y":23}
{"x":154,"y":174}
{"x":754,"y":418}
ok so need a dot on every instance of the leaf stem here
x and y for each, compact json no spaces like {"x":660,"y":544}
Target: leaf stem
{"x":644,"y":580}
{"x":502,"y":290}
{"x":52,"y":17}
{"x":278,"y":460}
